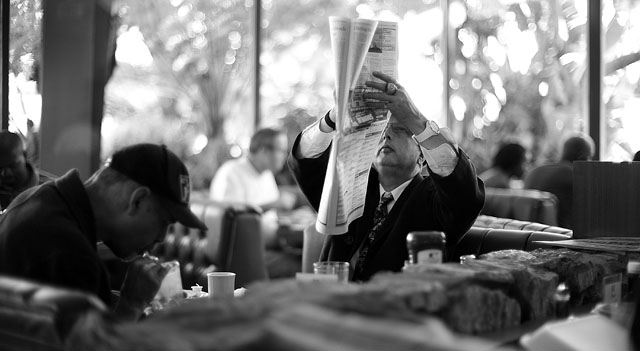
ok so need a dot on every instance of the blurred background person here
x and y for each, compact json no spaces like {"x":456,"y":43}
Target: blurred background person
{"x":557,"y":178}
{"x":250,"y":180}
{"x":507,"y":168}
{"x":16,"y":172}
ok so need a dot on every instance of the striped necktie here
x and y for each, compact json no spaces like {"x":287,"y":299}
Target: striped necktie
{"x":378,"y":219}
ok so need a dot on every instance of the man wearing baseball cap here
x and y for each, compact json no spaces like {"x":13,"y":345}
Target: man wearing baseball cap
{"x":49,"y":232}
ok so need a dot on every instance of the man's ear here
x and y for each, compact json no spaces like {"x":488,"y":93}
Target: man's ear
{"x":137,"y":197}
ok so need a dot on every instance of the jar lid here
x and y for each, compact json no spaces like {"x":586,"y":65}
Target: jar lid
{"x":633,"y":267}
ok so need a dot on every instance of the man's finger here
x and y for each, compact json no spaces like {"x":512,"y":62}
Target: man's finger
{"x":377,"y":96}
{"x":386,"y":78}
{"x":377,"y":105}
{"x":376,"y":85}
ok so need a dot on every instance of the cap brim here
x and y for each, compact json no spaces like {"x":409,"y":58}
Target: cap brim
{"x":183,"y":214}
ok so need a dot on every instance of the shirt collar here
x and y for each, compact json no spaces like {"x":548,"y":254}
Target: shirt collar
{"x":395,"y":192}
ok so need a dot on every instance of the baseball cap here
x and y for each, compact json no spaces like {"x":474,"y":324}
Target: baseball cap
{"x":164,"y":173}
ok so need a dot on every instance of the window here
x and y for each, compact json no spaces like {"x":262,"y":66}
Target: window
{"x":297,"y":61}
{"x":621,"y":80}
{"x":516,"y":73}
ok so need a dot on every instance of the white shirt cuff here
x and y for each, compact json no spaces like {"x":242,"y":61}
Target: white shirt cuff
{"x":313,"y":141}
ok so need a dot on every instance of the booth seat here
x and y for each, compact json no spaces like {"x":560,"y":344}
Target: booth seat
{"x":232,"y":243}
{"x":508,"y":223}
{"x":521,"y":204}
{"x":35,"y":316}
{"x":481,"y":240}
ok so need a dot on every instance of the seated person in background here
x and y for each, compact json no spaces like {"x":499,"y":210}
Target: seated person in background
{"x":16,"y":173}
{"x":557,"y":178}
{"x":49,"y":232}
{"x":251,"y":180}
{"x":508,"y":165}
{"x":448,"y":200}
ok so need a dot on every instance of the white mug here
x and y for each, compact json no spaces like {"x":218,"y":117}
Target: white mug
{"x":221,"y":284}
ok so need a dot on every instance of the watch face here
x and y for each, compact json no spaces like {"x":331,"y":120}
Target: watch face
{"x":434,"y":127}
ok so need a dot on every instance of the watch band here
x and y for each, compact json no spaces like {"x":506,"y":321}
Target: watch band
{"x":429,"y":131}
{"x":328,"y":121}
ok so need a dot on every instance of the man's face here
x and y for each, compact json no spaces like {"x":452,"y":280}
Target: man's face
{"x":275,"y":155}
{"x":397,"y":149}
{"x":13,"y":169}
{"x":142,"y":231}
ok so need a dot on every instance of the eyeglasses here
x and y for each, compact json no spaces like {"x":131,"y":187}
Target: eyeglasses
{"x":398,"y":129}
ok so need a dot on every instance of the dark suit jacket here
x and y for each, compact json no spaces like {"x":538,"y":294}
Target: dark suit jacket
{"x":449,"y":204}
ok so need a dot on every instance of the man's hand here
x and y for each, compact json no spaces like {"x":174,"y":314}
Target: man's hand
{"x":143,"y":279}
{"x":397,"y":101}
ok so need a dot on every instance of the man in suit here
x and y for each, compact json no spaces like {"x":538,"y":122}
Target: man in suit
{"x":448,"y":200}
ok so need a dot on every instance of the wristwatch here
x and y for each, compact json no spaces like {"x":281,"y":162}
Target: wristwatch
{"x":431,"y":130}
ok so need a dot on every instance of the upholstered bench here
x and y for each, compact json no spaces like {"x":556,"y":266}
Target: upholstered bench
{"x":480,"y":240}
{"x":508,"y":223}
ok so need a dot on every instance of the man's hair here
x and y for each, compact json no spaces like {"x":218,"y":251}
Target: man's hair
{"x":108,"y":178}
{"x":264,"y":138}
{"x":579,"y":147}
{"x":509,"y":156}
{"x":10,"y":141}
{"x":636,"y":157}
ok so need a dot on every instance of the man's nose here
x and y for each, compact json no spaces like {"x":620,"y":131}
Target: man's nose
{"x":387,"y":133}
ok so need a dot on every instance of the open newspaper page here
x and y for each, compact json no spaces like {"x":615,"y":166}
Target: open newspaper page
{"x":360,"y":47}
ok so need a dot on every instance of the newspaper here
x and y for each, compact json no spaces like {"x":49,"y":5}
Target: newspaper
{"x":360,"y":47}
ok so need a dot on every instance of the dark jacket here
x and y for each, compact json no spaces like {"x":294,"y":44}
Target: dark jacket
{"x":48,"y":234}
{"x":449,"y":204}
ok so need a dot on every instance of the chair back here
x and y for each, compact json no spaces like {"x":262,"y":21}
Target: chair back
{"x":521,"y":204}
{"x":232,"y":242}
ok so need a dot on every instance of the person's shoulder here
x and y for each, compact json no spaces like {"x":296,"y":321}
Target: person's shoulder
{"x":230,"y":168}
{"x":551,"y":168}
{"x":494,"y":178}
{"x":37,"y":215}
{"x":234,"y":163}
{"x":44,"y":176}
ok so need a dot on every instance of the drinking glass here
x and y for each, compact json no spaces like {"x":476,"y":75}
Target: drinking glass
{"x":338,"y":268}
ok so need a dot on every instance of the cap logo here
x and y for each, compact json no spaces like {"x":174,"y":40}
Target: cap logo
{"x":185,"y":188}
